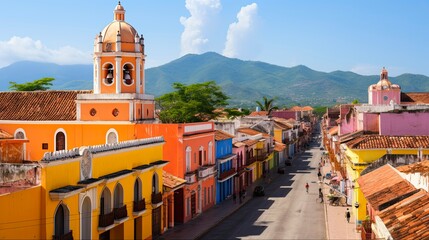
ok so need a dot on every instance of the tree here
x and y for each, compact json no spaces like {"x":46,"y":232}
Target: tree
{"x":192,"y":103}
{"x":355,"y":101}
{"x":267,"y":105}
{"x":36,"y":85}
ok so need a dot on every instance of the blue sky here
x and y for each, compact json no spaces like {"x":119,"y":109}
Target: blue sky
{"x":359,"y":36}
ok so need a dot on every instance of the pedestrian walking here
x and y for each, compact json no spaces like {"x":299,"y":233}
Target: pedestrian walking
{"x":234,"y":197}
{"x":320,"y":195}
{"x":348,"y":215}
{"x":319,"y":176}
{"x":307,"y":187}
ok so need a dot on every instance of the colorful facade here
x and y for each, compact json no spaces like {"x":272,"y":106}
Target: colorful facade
{"x":192,"y":146}
{"x":119,"y":192}
{"x":226,"y":166}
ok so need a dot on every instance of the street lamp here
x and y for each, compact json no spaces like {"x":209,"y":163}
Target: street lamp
{"x":356,"y":205}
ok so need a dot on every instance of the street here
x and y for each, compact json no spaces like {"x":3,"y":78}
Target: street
{"x":286,"y":211}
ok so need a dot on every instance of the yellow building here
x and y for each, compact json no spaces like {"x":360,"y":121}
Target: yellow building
{"x":93,"y":192}
{"x":72,"y":165}
{"x":368,"y":152}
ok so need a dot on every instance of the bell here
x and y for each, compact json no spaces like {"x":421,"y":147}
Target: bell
{"x":127,"y":75}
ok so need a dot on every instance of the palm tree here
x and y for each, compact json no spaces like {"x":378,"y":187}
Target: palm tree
{"x":267,"y":105}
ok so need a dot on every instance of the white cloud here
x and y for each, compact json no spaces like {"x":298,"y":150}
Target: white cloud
{"x":192,"y":39}
{"x":25,"y":48}
{"x":239,"y":31}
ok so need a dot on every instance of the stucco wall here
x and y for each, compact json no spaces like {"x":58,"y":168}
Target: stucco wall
{"x":405,"y":123}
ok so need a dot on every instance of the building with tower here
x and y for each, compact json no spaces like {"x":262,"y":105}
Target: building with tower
{"x":79,"y":157}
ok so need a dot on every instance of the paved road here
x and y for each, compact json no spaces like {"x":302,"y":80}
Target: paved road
{"x":286,"y":212}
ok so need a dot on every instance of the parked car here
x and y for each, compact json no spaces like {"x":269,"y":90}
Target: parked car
{"x":281,"y":170}
{"x":259,"y":191}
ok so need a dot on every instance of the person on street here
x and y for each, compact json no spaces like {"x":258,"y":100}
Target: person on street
{"x":307,"y":187}
{"x":348,"y":215}
{"x":320,"y":195}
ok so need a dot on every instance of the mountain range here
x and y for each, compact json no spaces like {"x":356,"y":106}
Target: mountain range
{"x":245,"y":82}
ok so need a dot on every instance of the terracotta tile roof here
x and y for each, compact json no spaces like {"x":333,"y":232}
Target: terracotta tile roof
{"x":239,"y":144}
{"x":221,"y":135}
{"x":171,"y":181}
{"x":282,"y":123}
{"x":409,"y":218}
{"x":5,"y":135}
{"x":383,"y":185}
{"x":39,"y":105}
{"x":279,"y":147}
{"x":307,"y":108}
{"x":252,"y":132}
{"x":258,"y":114}
{"x":333,"y":130}
{"x":418,"y":167}
{"x":299,"y":109}
{"x":415,"y":97}
{"x":250,"y":142}
{"x":378,"y":141}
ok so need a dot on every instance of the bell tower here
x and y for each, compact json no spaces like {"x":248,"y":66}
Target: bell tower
{"x":384,"y":92}
{"x":118,"y":75}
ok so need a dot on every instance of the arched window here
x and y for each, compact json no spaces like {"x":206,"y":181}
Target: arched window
{"x":118,"y":200}
{"x":112,"y":136}
{"x":108,"y":74}
{"x":127,"y":74}
{"x":60,"y":140}
{"x":85,"y":219}
{"x":188,"y":159}
{"x":20,"y":134}
{"x":105,"y":202}
{"x":210,"y":157}
{"x":155,"y":181}
{"x":201,"y":156}
{"x":61,"y":221}
{"x":137,"y":190}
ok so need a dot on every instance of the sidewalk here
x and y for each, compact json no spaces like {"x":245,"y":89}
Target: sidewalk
{"x":197,"y":227}
{"x":336,"y":223}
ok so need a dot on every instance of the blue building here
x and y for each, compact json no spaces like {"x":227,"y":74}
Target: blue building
{"x":225,"y":162}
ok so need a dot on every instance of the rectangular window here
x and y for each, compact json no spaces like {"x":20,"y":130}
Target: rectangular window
{"x":44,"y":146}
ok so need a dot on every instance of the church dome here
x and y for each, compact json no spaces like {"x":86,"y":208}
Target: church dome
{"x":126,"y":31}
{"x":119,"y":26}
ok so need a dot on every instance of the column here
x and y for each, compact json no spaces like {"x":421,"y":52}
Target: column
{"x":118,"y":74}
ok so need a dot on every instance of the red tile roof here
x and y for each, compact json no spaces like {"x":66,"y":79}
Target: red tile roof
{"x":418,"y":167}
{"x":333,"y":130}
{"x":171,"y":181}
{"x":221,"y":135}
{"x":409,"y":218}
{"x":414,"y":97}
{"x":252,"y":132}
{"x":378,"y":141}
{"x":279,"y":146}
{"x":382,"y":185}
{"x":39,"y":105}
{"x":258,"y":114}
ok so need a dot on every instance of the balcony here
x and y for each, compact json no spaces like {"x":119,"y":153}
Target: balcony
{"x":206,"y":171}
{"x":67,"y":236}
{"x":105,"y":220}
{"x":227,"y":174}
{"x":190,"y":177}
{"x":139,"y":206}
{"x":156,"y":200}
{"x":241,"y":169}
{"x":250,"y":160}
{"x":120,"y":213}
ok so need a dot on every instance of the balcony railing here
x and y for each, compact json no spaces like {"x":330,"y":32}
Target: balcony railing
{"x":156,"y":198}
{"x":250,"y":160}
{"x":206,"y":171}
{"x":106,"y":219}
{"x":227,"y":174}
{"x":120,"y":212}
{"x":190,"y":177}
{"x":67,"y":236}
{"x":139,"y":205}
{"x":240,"y":169}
